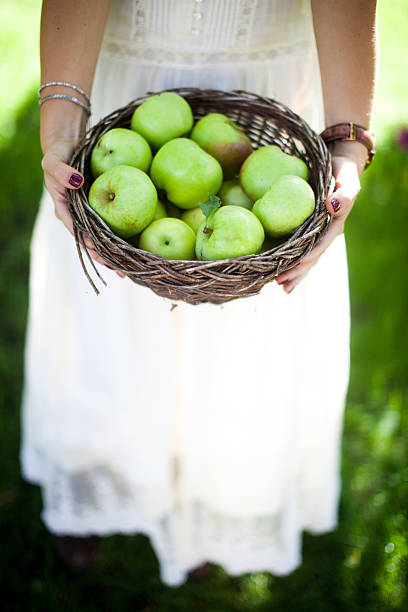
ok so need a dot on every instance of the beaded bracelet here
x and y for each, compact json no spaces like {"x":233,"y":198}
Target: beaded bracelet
{"x":349,"y":132}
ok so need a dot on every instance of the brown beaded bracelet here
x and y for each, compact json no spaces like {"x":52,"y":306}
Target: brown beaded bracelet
{"x":349,"y":132}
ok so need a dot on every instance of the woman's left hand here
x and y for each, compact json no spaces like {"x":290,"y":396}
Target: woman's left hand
{"x":347,"y":165}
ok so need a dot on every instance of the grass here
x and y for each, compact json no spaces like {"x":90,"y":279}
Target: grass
{"x":362,"y":566}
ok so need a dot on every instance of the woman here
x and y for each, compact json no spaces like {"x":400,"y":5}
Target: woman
{"x":215,"y":430}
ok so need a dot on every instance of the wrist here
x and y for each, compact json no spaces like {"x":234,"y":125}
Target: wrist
{"x":61,"y":121}
{"x":340,"y":135}
{"x":353,"y":150}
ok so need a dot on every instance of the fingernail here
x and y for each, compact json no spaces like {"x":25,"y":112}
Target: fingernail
{"x":336,"y":205}
{"x":75,"y":180}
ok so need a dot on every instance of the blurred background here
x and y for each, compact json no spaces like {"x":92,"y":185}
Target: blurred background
{"x":361,"y":566}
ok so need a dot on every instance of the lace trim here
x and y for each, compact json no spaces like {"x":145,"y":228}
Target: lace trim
{"x":127,"y":50}
{"x":99,"y":501}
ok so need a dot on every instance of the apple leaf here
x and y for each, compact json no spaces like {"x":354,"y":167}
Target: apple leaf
{"x":211,"y":205}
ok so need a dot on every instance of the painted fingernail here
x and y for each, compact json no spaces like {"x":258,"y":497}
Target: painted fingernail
{"x":75,"y":180}
{"x":336,"y":205}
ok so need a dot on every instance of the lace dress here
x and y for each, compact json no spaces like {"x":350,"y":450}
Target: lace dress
{"x":214,"y":430}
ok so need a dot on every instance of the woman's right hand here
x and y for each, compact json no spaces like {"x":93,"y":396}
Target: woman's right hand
{"x":58,"y":176}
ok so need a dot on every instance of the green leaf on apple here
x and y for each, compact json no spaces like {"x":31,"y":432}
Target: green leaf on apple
{"x":212,"y":204}
{"x":209,"y":208}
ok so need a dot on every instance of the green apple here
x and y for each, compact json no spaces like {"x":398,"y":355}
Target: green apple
{"x":285,"y":206}
{"x":185,"y":172}
{"x":125,"y":198}
{"x":265,"y":165}
{"x":229,"y":231}
{"x":168,"y":237}
{"x":221,"y":137}
{"x":194,"y":218}
{"x":231,"y":192}
{"x":117,"y":147}
{"x":161,"y":211}
{"x":162,"y":117}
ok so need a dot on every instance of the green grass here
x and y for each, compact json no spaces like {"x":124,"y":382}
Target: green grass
{"x":362,"y":566}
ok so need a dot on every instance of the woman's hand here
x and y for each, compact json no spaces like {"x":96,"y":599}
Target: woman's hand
{"x":70,"y":40}
{"x":58,"y":176}
{"x":348,"y":163}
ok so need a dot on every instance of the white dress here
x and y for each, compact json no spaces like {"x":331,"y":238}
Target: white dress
{"x":214,"y":430}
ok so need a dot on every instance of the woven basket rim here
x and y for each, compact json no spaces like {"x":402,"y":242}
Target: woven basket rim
{"x":87,"y":221}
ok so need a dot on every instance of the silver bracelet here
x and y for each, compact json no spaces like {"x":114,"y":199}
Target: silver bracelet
{"x":59,"y":96}
{"x":65,"y":84}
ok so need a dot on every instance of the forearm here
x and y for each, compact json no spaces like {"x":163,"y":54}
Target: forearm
{"x":70,"y":40}
{"x":347,"y":48}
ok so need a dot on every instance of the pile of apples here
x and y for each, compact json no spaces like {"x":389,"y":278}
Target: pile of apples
{"x":186,"y":191}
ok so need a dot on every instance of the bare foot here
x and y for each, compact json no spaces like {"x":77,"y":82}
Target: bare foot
{"x":200,"y":572}
{"x":78,"y":554}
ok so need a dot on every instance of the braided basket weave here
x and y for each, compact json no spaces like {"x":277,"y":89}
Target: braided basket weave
{"x":266,"y":122}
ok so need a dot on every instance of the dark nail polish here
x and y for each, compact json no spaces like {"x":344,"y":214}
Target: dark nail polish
{"x":336,"y":205}
{"x":75,"y":180}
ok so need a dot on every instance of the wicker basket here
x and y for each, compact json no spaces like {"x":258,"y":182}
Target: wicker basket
{"x":266,"y":122}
